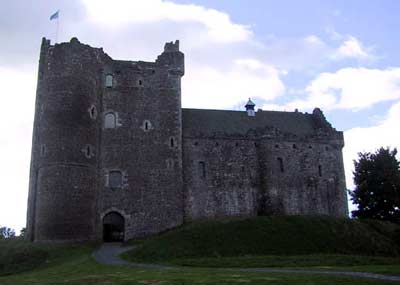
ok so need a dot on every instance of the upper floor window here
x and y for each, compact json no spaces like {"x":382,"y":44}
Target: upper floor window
{"x":109,"y":80}
{"x":147,"y":126}
{"x":110,"y":121}
{"x":115,"y":179}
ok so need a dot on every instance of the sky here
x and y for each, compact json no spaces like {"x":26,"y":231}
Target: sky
{"x":341,"y":56}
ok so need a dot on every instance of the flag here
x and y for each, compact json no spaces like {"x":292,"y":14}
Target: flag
{"x":54,"y":16}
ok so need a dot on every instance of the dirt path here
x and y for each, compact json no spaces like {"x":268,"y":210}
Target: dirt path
{"x":109,"y":253}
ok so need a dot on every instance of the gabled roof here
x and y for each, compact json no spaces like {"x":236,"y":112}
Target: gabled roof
{"x":209,"y":122}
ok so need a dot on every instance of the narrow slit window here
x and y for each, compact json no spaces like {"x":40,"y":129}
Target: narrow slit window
{"x":42,"y":150}
{"x":202,"y":169}
{"x":88,"y":151}
{"x":110,"y":121}
{"x":93,"y":112}
{"x":172,"y":142}
{"x":109,"y":81}
{"x":140,"y":82}
{"x":280,"y":164}
{"x":319,"y":170}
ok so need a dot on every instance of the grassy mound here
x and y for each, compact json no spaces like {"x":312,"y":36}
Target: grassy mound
{"x":17,"y":255}
{"x":266,"y":236}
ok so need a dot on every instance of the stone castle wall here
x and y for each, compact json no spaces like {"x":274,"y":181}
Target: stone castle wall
{"x":111,"y":136}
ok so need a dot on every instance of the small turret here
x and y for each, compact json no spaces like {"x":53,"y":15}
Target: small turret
{"x":172,"y":58}
{"x":250,"y":108}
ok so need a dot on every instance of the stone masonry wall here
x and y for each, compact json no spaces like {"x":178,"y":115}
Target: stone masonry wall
{"x":146,"y":144}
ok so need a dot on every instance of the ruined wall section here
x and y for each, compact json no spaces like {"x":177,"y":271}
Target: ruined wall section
{"x":62,"y":202}
{"x":145,"y":145}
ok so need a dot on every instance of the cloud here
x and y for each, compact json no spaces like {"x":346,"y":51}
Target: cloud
{"x":352,"y":48}
{"x":208,"y":87}
{"x":350,"y":88}
{"x":383,"y":134}
{"x":15,"y":143}
{"x":218,"y":25}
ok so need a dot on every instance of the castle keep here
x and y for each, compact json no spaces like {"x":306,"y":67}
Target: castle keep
{"x":114,"y":155}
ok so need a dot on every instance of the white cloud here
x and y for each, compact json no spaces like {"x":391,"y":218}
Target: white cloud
{"x":383,"y":134}
{"x":219,"y":27}
{"x":208,"y":87}
{"x":350,"y":88}
{"x":352,"y":48}
{"x":16,"y":120}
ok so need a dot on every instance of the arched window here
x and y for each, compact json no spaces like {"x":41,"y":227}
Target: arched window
{"x":115,"y":179}
{"x":110,"y":121}
{"x":147,"y":126}
{"x":109,"y":80}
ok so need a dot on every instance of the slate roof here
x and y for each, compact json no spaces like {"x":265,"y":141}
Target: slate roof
{"x":238,"y":122}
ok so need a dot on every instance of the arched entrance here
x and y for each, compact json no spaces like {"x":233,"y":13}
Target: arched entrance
{"x":113,"y":227}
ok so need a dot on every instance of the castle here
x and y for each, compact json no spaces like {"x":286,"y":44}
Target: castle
{"x":114,"y":156}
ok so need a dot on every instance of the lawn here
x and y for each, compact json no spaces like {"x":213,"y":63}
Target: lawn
{"x":76,"y":266}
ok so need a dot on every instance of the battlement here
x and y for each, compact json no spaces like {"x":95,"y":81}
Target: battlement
{"x":171,"y":46}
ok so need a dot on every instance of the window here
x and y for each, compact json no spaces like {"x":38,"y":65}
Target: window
{"x":294,"y":146}
{"x":140,"y":82}
{"x":109,"y":121}
{"x":172,"y":142}
{"x":115,"y":179}
{"x":320,"y":170}
{"x":109,"y":80}
{"x":202,"y":169}
{"x":146,"y":125}
{"x":42,"y":150}
{"x":88,"y":151}
{"x":280,"y":162}
{"x":93,"y":112}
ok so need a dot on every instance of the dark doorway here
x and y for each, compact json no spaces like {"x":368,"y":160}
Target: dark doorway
{"x":113,"y":227}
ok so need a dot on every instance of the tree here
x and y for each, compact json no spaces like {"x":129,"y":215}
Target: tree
{"x":23,"y":232}
{"x":6,"y":233}
{"x":377,"y":180}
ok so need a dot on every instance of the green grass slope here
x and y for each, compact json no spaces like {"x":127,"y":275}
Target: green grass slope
{"x":17,"y":255}
{"x":271,"y":236}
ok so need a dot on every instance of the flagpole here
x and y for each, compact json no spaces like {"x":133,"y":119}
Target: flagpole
{"x":58,"y":25}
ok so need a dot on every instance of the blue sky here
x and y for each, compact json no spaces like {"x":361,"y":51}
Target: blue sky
{"x":341,"y":56}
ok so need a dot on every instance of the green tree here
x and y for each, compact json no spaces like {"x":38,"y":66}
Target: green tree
{"x":6,"y":233}
{"x":377,"y":180}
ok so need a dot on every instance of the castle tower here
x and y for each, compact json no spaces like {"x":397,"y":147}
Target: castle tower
{"x":106,"y":152}
{"x":64,"y":165}
{"x":141,"y":146}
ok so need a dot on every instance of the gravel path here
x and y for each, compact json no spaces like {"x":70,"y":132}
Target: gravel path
{"x":109,"y":253}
